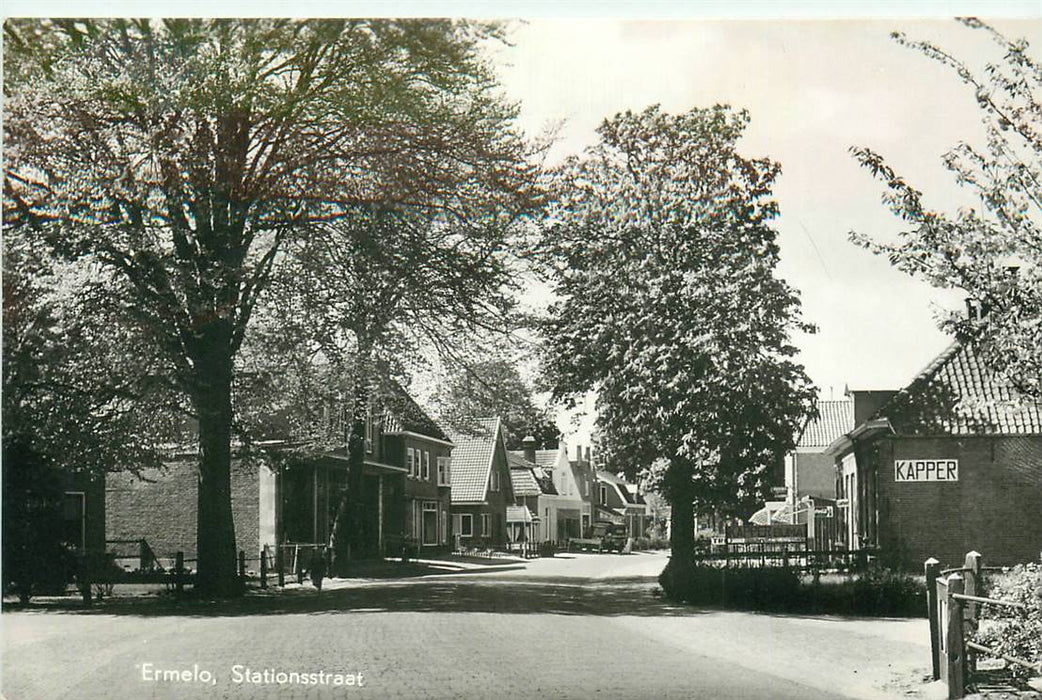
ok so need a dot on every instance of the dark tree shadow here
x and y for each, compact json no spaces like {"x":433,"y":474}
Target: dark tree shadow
{"x":458,"y":593}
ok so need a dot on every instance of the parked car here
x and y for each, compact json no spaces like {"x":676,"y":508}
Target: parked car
{"x":604,"y":536}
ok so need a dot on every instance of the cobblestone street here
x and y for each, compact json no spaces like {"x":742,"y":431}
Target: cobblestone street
{"x":577,"y":627}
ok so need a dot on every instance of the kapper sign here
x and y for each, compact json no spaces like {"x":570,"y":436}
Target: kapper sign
{"x":926,"y":470}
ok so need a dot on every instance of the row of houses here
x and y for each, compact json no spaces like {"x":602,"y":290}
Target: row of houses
{"x":422,"y":487}
{"x":950,"y":463}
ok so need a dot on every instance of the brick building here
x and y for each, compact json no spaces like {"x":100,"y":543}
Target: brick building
{"x":481,"y":486}
{"x":949,"y":464}
{"x":404,"y":483}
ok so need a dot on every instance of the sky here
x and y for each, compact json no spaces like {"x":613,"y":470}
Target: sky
{"x":813,"y":89}
{"x":813,"y":86}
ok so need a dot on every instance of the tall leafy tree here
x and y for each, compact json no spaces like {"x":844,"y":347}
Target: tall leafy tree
{"x":381,"y":286}
{"x":669,"y":308}
{"x":80,"y":398}
{"x":495,"y":387}
{"x":991,"y":249}
{"x":184,"y":153}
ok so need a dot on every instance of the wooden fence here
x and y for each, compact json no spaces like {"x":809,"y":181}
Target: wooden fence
{"x":953,"y":608}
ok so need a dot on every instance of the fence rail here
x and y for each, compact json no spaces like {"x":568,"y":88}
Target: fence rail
{"x":771,"y":555}
{"x":953,"y":607}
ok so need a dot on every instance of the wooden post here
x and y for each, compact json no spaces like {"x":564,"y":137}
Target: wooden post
{"x":280,"y":563}
{"x":932,"y":568}
{"x":179,"y":568}
{"x":264,"y":567}
{"x":974,"y":586}
{"x":955,"y":646}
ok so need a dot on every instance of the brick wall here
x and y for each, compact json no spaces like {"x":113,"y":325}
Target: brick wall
{"x":995,"y":507}
{"x":163,"y":509}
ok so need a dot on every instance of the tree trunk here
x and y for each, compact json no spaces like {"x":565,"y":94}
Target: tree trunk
{"x":349,"y":531}
{"x":212,"y":398}
{"x":676,"y":577}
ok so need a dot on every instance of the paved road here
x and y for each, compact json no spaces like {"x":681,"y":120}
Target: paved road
{"x":585,"y":627}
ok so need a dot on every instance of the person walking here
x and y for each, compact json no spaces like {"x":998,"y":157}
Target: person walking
{"x":318,"y":567}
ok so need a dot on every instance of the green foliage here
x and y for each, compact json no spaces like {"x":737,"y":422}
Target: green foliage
{"x":492,"y":388}
{"x":1016,"y":633}
{"x":875,"y":593}
{"x":989,"y":249}
{"x":769,"y":588}
{"x":669,"y":308}
{"x":183,"y":154}
{"x":35,"y":561}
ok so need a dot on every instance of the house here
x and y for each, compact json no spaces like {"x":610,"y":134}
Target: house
{"x":809,"y":470}
{"x":949,"y":464}
{"x":481,"y":488}
{"x":563,"y":511}
{"x":523,"y":522}
{"x":620,"y":502}
{"x":426,"y":451}
{"x":585,"y":478}
{"x":291,"y":501}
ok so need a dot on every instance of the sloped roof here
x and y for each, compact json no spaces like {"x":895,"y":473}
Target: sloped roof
{"x":619,"y":483}
{"x":472,"y":460}
{"x":835,"y":418}
{"x":546,"y":458}
{"x":958,"y":395}
{"x":546,"y":481}
{"x":524,"y":482}
{"x":404,"y":414}
{"x":519,"y":514}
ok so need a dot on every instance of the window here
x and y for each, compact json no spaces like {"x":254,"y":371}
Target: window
{"x":466,"y":525}
{"x":586,"y":487}
{"x":369,"y":431}
{"x":443,"y":471}
{"x":409,"y":456}
{"x":486,"y":525}
{"x":417,"y":522}
{"x":604,"y":495}
{"x":430,"y":522}
{"x":426,"y":465}
{"x":495,"y":479}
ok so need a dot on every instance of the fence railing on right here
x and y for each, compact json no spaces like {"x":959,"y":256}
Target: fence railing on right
{"x":953,"y":608}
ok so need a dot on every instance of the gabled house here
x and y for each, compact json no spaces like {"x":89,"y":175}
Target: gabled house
{"x":563,"y":513}
{"x":620,"y":502}
{"x":523,"y":522}
{"x":290,"y":502}
{"x":949,"y":464}
{"x":809,"y":470}
{"x":481,"y":488}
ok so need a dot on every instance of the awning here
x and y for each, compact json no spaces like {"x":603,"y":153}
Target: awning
{"x":519,"y":514}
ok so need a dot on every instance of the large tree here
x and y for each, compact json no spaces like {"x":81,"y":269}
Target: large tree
{"x":670,"y":310}
{"x":183,"y":153}
{"x":992,"y":248}
{"x":370,"y":294}
{"x":80,"y":398}
{"x":493,"y":386}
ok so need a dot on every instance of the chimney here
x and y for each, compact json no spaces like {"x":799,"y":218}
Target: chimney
{"x":578,"y":453}
{"x":528,"y":445}
{"x":588,"y":455}
{"x":973,"y":309}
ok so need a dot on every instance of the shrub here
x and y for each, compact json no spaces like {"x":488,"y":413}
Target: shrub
{"x":1011,"y":631}
{"x":753,"y":588}
{"x":877,"y":592}
{"x":884,"y":592}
